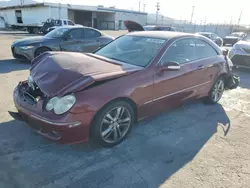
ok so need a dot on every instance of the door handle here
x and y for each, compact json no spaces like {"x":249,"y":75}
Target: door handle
{"x":201,"y":67}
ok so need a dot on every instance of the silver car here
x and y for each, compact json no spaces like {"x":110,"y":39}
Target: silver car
{"x":240,"y":53}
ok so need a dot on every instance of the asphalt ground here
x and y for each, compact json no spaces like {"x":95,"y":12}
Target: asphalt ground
{"x":196,"y":145}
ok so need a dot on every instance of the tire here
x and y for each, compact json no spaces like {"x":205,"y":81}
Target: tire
{"x":107,"y":130}
{"x":211,"y":98}
{"x":39,"y":51}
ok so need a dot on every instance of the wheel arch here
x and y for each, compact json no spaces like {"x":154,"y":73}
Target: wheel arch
{"x":124,"y":99}
{"x":40,"y":47}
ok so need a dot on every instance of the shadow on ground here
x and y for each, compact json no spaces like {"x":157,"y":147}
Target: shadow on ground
{"x":156,"y":149}
{"x":9,"y":65}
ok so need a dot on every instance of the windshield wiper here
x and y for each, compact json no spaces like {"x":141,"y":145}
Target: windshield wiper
{"x":117,"y":60}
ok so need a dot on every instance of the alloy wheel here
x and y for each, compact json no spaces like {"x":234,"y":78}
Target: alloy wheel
{"x":115,"y":124}
{"x":218,"y":90}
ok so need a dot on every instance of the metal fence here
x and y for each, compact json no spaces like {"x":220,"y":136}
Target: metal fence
{"x":220,"y":29}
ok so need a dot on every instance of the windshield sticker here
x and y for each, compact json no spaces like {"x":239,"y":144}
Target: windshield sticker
{"x":159,"y":41}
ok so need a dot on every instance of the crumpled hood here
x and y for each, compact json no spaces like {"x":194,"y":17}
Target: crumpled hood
{"x":58,"y":73}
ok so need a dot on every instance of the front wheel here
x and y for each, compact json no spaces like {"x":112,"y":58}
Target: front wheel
{"x":113,"y":123}
{"x":216,"y":91}
{"x":40,"y":51}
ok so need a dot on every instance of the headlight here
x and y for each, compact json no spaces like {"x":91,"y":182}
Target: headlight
{"x":61,"y":105}
{"x":26,"y":47}
{"x":52,"y":102}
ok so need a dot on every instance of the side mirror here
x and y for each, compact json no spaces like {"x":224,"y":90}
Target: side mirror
{"x":170,"y":66}
{"x":225,"y":51}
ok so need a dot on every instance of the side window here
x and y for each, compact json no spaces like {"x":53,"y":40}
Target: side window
{"x":181,"y":51}
{"x":64,"y":22}
{"x":76,"y":34}
{"x":90,"y":33}
{"x":203,"y":49}
{"x":70,"y":23}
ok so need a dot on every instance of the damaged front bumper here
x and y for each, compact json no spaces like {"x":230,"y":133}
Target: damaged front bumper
{"x":232,"y":81}
{"x":66,"y":129}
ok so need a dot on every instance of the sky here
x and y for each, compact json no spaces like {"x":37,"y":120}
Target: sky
{"x":216,"y":11}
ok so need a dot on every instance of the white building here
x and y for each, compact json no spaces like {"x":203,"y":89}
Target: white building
{"x":95,"y":16}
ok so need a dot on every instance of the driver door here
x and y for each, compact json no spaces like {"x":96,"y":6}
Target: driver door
{"x":73,"y":41}
{"x":174,"y":87}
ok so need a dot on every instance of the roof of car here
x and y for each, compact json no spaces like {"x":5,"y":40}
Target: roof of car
{"x":204,"y":32}
{"x":160,"y":34}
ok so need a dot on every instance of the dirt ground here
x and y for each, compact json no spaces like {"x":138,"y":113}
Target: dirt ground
{"x":195,"y":146}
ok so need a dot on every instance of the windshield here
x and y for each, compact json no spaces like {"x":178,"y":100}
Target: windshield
{"x":57,"y":33}
{"x":236,"y":34}
{"x":247,"y":38}
{"x":133,"y":50}
{"x":148,"y":28}
{"x":205,"y":35}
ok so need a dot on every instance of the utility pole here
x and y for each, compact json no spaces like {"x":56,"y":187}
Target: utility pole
{"x":144,"y":7}
{"x":157,"y":10}
{"x":139,"y":5}
{"x":239,"y":18}
{"x":192,"y":14}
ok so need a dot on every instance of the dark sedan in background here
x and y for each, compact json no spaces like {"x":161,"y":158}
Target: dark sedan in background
{"x":73,"y":39}
{"x":212,"y":36}
{"x":233,"y":38}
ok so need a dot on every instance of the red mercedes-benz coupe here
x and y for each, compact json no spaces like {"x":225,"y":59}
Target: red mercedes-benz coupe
{"x":71,"y":97}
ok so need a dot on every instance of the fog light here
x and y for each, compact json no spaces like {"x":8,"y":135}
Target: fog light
{"x":74,"y":124}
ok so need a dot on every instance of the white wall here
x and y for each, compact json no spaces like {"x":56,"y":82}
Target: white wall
{"x":58,"y":13}
{"x":139,"y":18}
{"x":34,"y":15}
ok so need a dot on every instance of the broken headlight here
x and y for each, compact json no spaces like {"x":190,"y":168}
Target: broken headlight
{"x":61,"y":105}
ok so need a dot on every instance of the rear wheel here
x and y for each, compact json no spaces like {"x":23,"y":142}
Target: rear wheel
{"x":40,"y":51}
{"x":216,"y":91}
{"x":113,"y":123}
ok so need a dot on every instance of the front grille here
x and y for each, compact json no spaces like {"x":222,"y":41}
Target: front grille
{"x":246,"y":50}
{"x":241,"y":60}
{"x":17,"y":56}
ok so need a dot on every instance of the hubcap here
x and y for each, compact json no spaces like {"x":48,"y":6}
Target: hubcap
{"x":218,"y":90}
{"x":115,"y":124}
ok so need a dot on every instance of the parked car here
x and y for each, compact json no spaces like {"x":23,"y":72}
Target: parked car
{"x":212,"y":36}
{"x":75,"y":39}
{"x":71,"y":97}
{"x":134,"y":26}
{"x":240,"y":53}
{"x":161,"y":28}
{"x":233,"y":38}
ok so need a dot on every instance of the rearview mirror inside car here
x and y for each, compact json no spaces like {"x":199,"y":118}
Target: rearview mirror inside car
{"x":170,"y":66}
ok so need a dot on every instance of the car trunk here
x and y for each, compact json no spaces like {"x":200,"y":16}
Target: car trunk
{"x":133,"y":26}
